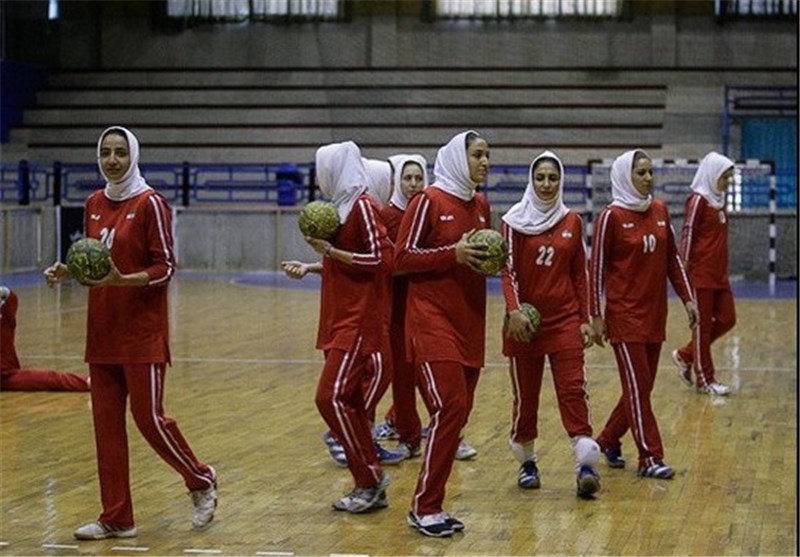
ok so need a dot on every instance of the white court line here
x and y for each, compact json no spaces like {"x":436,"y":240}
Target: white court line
{"x":58,"y":546}
{"x":279,"y":361}
{"x":348,"y":555}
{"x":5,"y":544}
{"x":129,"y":548}
{"x":275,"y":553}
{"x":261,"y":361}
{"x":203,"y":551}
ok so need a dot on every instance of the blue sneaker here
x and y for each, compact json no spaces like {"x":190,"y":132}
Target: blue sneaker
{"x":388,"y":456}
{"x":588,"y":482}
{"x":385,"y":430}
{"x":434,"y":525}
{"x":529,"y":475}
{"x":614,"y":458}
{"x":455,"y":523}
{"x":335,"y":449}
{"x":658,"y":470}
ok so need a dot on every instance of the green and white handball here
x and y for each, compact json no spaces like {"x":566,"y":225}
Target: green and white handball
{"x":496,"y":250}
{"x":88,"y":258}
{"x":319,"y":219}
{"x":532,"y":314}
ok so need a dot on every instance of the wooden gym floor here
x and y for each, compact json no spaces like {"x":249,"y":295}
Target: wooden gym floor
{"x":242,"y":389}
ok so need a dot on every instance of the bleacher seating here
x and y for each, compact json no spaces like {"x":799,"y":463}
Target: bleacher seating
{"x":274,"y":116}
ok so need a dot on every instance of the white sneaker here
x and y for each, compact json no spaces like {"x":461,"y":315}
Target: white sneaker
{"x":408,"y":451}
{"x":684,"y":369}
{"x":715,"y":389}
{"x":99,"y":531}
{"x":465,"y":451}
{"x":205,"y":503}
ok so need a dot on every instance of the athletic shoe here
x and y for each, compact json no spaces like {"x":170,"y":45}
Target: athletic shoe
{"x":205,"y":503}
{"x":388,"y":456}
{"x":434,"y":525}
{"x":99,"y":531}
{"x":529,"y":475}
{"x":363,"y":499}
{"x":329,"y":439}
{"x":335,"y":449}
{"x":385,"y":430}
{"x":614,"y":458}
{"x":465,"y":451}
{"x":348,"y":501}
{"x":588,"y":481}
{"x":715,"y":389}
{"x":455,"y":523}
{"x":684,"y":369}
{"x":424,"y":431}
{"x":657,"y":470}
{"x":408,"y":450}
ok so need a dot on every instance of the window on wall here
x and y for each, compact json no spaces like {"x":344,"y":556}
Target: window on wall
{"x":253,"y":10}
{"x":756,"y":8}
{"x":509,"y":9}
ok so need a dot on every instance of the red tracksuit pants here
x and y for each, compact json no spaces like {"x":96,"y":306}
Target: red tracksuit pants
{"x":448,"y":389}
{"x":637,"y":364}
{"x":569,"y":379}
{"x":41,"y":380}
{"x":340,"y":400}
{"x":112,"y":385}
{"x":717,"y":317}
{"x":380,"y":373}
{"x":403,"y":412}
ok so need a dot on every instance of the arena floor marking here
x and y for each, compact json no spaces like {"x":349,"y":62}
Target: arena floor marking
{"x":280,"y":361}
{"x":203,"y":551}
{"x":58,"y":546}
{"x":275,"y":553}
{"x":129,"y":548}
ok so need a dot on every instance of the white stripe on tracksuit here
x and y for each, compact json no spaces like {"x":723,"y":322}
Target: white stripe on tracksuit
{"x":637,"y":426}
{"x":349,"y":435}
{"x":430,"y":385}
{"x":156,"y":393}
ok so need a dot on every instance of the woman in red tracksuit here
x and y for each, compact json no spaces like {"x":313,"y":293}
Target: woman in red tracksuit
{"x":127,"y":337}
{"x":547,"y":268}
{"x":12,"y":378}
{"x":410,"y":176}
{"x":446,"y":312}
{"x":633,"y":255}
{"x":356,"y":264}
{"x":704,"y":248}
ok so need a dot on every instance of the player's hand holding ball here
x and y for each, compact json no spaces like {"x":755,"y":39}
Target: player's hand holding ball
{"x":55,"y":273}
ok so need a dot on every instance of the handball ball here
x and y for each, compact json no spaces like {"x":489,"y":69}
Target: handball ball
{"x":88,"y":258}
{"x":319,"y":219}
{"x":496,"y":250}
{"x":532,"y":314}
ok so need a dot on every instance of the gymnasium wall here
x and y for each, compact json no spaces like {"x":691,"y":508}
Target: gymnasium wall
{"x":672,"y":42}
{"x":655,"y":35}
{"x":226,"y":239}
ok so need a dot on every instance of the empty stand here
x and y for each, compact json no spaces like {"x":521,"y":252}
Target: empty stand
{"x":273,"y":116}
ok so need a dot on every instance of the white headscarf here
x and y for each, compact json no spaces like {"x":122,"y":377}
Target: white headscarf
{"x":379,"y":175}
{"x":398,"y":163}
{"x":451,"y":169}
{"x":533,"y":216}
{"x":341,"y":175}
{"x":131,"y":184}
{"x":622,"y":191}
{"x":705,"y":180}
